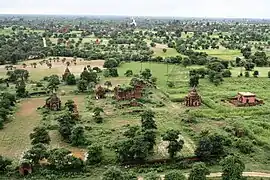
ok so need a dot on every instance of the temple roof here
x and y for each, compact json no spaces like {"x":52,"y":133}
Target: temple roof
{"x":246,"y":94}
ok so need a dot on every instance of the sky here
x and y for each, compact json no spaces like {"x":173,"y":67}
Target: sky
{"x":173,"y":8}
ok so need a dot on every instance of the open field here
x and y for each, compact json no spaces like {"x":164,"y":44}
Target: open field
{"x":58,"y":68}
{"x":222,"y":53}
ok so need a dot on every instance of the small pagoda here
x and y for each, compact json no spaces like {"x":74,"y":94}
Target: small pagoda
{"x":66,"y":74}
{"x":100,"y":92}
{"x":25,"y":168}
{"x":53,"y":103}
{"x":193,"y":99}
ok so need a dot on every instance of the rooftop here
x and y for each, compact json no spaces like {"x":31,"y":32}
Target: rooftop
{"x":246,"y":94}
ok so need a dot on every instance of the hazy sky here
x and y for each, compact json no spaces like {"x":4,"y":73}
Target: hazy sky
{"x":182,"y":8}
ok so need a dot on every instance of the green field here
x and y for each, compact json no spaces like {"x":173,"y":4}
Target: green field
{"x":222,"y":53}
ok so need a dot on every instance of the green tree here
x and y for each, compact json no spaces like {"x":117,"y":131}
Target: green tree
{"x":147,"y":120}
{"x":82,"y":85}
{"x":110,"y":63}
{"x":94,"y":154}
{"x":21,"y":89}
{"x":164,"y":50}
{"x":114,"y":173}
{"x":89,"y":76}
{"x":1,"y":123}
{"x":70,"y":80}
{"x":66,"y":125}
{"x":152,"y":176}
{"x":268,"y":74}
{"x":232,"y":168}
{"x":226,"y":73}
{"x":194,"y":81}
{"x":128,"y":73}
{"x":77,"y":137}
{"x":256,"y":73}
{"x":198,"y":172}
{"x":108,"y":84}
{"x":4,"y":163}
{"x":211,"y":146}
{"x":36,"y":153}
{"x":175,"y":145}
{"x":61,"y":159}
{"x":174,"y":175}
{"x":186,"y":62}
{"x":40,"y":135}
{"x":146,"y":74}
{"x":247,"y":74}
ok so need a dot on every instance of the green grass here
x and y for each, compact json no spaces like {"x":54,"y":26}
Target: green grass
{"x":169,"y":52}
{"x":222,"y":53}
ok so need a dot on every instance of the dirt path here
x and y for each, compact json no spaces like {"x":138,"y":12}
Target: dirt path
{"x":14,"y":138}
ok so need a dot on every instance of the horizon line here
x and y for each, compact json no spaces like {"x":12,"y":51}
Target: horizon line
{"x":122,"y":15}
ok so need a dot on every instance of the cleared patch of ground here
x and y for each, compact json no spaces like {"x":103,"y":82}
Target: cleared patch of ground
{"x":14,"y":138}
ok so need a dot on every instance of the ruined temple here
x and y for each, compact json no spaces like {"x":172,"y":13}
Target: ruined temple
{"x":128,"y":92}
{"x":66,"y":74}
{"x":245,"y":99}
{"x":193,"y":98}
{"x":25,"y":168}
{"x":100,"y":92}
{"x":53,"y":103}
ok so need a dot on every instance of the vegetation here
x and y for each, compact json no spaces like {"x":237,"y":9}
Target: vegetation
{"x":150,"y":136}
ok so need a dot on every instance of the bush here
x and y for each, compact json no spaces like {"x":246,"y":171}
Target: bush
{"x":4,"y":163}
{"x":226,"y":73}
{"x":94,"y":154}
{"x":128,"y":73}
{"x":268,"y":74}
{"x":97,"y":69}
{"x":247,"y":74}
{"x":174,"y":175}
{"x":170,"y":84}
{"x":256,"y":73}
{"x":70,"y":80}
{"x":244,"y":146}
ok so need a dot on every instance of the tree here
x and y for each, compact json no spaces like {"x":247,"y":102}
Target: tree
{"x":199,"y":172}
{"x":186,"y":62}
{"x":128,"y":73}
{"x":108,"y":84}
{"x":54,"y":81}
{"x":70,"y":80}
{"x":164,"y":50}
{"x":175,"y":145}
{"x":110,"y":63}
{"x":147,"y":120}
{"x":77,"y":137}
{"x":247,"y":74}
{"x":174,"y":175}
{"x":152,"y":176}
{"x":146,"y":74}
{"x":114,"y":173}
{"x":61,"y":159}
{"x":194,"y":81}
{"x":149,"y":136}
{"x":36,"y":153}
{"x":268,"y":74}
{"x":66,"y":123}
{"x":94,"y":154}
{"x":21,"y":89}
{"x":89,"y":76}
{"x":82,"y":85}
{"x":256,"y":73}
{"x":226,"y":73}
{"x":152,"y":44}
{"x":40,"y":135}
{"x":210,"y":147}
{"x":232,"y":168}
{"x":4,"y":163}
{"x":1,"y":123}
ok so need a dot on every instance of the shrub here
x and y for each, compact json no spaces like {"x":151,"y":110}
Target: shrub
{"x":170,"y":84}
{"x":174,"y":175}
{"x":256,"y":73}
{"x":244,"y":146}
{"x":226,"y":73}
{"x":4,"y":163}
{"x":128,"y":73}
{"x":94,"y":154}
{"x":247,"y":74}
{"x":268,"y":74}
